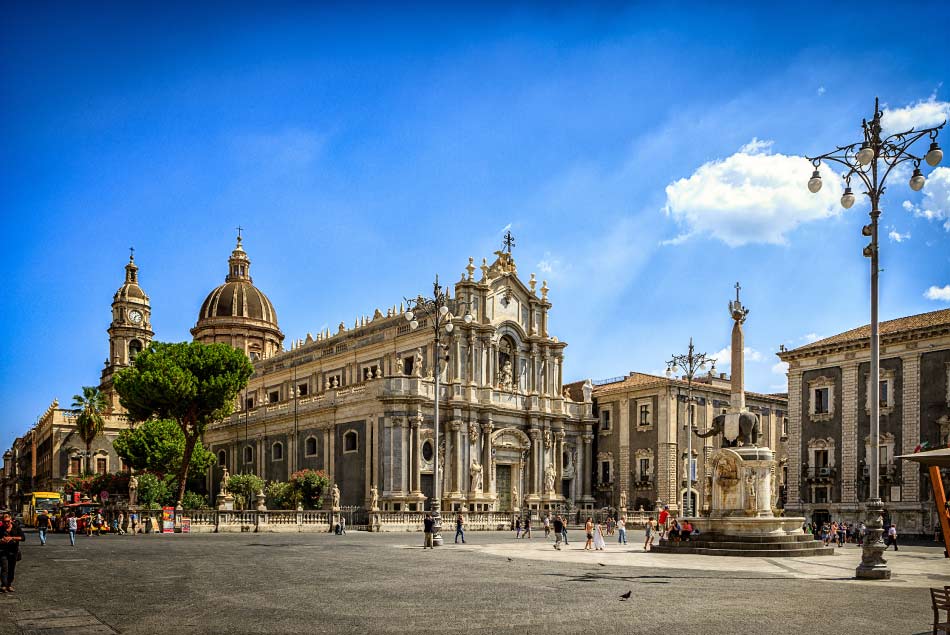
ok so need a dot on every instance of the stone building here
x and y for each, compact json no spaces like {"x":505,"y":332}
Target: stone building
{"x":358,"y":402}
{"x":640,"y":438}
{"x":829,"y":422}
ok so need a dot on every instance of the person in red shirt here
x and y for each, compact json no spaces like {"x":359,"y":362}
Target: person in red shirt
{"x":663,"y":519}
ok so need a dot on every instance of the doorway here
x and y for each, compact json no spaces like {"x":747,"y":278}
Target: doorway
{"x":426,"y":482}
{"x":503,"y":487}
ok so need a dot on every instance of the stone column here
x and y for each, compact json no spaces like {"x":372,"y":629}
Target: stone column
{"x":848,"y":470}
{"x":588,"y":441}
{"x":623,"y":448}
{"x":910,"y":434}
{"x":794,"y":437}
{"x":416,"y":458}
{"x":532,"y":481}
{"x":488,"y":475}
{"x":559,"y":461}
{"x":459,"y":477}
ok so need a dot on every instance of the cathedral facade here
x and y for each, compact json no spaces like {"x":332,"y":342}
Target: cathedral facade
{"x":359,"y":403}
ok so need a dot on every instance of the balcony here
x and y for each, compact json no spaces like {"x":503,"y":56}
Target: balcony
{"x":889,"y":472}
{"x":643,"y":481}
{"x":821,"y":474}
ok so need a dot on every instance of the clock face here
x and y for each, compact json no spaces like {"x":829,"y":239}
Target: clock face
{"x":135,"y":316}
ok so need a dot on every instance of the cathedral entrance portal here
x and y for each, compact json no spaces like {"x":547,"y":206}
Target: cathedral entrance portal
{"x":427,"y":489}
{"x":503,"y":487}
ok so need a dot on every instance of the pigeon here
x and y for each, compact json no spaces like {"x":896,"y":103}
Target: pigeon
{"x":510,"y":560}
{"x":602,"y":564}
{"x":625,"y":596}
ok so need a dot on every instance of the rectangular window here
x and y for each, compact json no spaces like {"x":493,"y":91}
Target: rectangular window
{"x":273,"y":396}
{"x":882,"y":456}
{"x":784,"y":426}
{"x":75,"y":465}
{"x":249,"y":403}
{"x":821,"y":458}
{"x":303,"y":390}
{"x":883,"y":397}
{"x":644,"y":415}
{"x":821,"y":495}
{"x":605,"y":420}
{"x":692,"y":469}
{"x":604,"y":471}
{"x":100,"y":465}
{"x":644,"y":469}
{"x":821,"y":400}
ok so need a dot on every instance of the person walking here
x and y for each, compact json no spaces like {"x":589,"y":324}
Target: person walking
{"x":11,"y":535}
{"x":342,"y":525}
{"x":891,"y":537}
{"x":648,"y":534}
{"x":43,"y":524}
{"x":71,"y":527}
{"x":133,"y":522}
{"x":564,"y":529}
{"x":599,"y":542}
{"x":459,"y":529}
{"x":589,"y":529}
{"x":662,"y":520}
{"x":558,"y":532}
{"x":427,"y":528}
{"x":622,"y":530}
{"x":527,"y":527}
{"x":547,"y":526}
{"x":518,"y":527}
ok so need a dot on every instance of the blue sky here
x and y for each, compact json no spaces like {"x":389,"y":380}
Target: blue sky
{"x":643,"y":157}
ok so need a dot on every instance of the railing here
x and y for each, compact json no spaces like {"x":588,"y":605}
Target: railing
{"x":821,"y":472}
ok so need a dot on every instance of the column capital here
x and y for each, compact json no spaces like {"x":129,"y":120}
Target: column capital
{"x":535,"y":434}
{"x":488,"y":427}
{"x":455,"y":425}
{"x":587,"y":438}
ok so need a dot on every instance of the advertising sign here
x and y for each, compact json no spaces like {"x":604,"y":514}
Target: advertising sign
{"x":185,"y":525}
{"x":168,"y":520}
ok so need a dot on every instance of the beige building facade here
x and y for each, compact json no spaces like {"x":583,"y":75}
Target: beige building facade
{"x":829,"y":432}
{"x":358,"y":402}
{"x":641,"y":445}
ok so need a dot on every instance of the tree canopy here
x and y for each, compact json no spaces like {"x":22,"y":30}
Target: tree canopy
{"x":89,"y":408}
{"x":158,"y":445}
{"x":192,"y":384}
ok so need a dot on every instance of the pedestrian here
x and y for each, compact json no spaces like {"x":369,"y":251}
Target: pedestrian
{"x":599,"y":542}
{"x":121,"y":523}
{"x":72,"y":526}
{"x":11,"y":534}
{"x":558,"y":532}
{"x":891,"y":537}
{"x":527,"y":527}
{"x":564,"y":529}
{"x":134,"y":522}
{"x":547,"y":525}
{"x":518,"y":527}
{"x":589,"y":529}
{"x":622,"y":530}
{"x":662,"y":520}
{"x":427,"y":528}
{"x":342,"y":525}
{"x":649,"y":533}
{"x":459,"y":529}
{"x":43,"y":524}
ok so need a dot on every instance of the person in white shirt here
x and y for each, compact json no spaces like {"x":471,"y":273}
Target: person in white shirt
{"x":891,"y":537}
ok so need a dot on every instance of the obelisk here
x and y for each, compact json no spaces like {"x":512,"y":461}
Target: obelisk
{"x":738,"y":313}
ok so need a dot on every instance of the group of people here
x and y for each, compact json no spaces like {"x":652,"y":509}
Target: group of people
{"x":841,"y":533}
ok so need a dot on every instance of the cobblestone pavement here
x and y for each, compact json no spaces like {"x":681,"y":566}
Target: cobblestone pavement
{"x":385,"y":583}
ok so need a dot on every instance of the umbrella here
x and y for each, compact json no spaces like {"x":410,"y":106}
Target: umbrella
{"x":930,"y":458}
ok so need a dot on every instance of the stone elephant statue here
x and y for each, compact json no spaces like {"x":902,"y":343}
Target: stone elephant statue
{"x":748,"y":430}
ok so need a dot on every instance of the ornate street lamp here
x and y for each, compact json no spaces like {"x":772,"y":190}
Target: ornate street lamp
{"x":691,"y":363}
{"x":437,"y":309}
{"x":871,"y":161}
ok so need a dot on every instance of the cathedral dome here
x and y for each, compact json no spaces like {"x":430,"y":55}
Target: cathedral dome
{"x":238,"y":313}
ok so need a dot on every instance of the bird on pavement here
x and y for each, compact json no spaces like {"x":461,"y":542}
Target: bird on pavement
{"x":625,"y":596}
{"x":602,"y":564}
{"x":509,"y":560}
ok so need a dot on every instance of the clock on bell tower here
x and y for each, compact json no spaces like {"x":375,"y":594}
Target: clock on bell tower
{"x":131,"y":329}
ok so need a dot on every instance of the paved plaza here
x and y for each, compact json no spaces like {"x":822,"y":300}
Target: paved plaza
{"x":385,"y":583}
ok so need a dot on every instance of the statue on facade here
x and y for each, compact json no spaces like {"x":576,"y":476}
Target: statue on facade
{"x":588,"y":388}
{"x":335,"y":496}
{"x":326,"y":385}
{"x":505,"y":378}
{"x":566,"y":393}
{"x":750,"y":483}
{"x":399,"y":367}
{"x":549,"y":475}
{"x":623,"y":499}
{"x":225,"y":477}
{"x":373,"y":499}
{"x":133,"y":491}
{"x":417,"y":364}
{"x":378,"y":374}
{"x":514,"y":495}
{"x":475,"y":474}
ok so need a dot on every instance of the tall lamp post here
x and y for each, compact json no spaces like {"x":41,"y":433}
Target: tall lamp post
{"x":437,"y":309}
{"x":691,"y":362}
{"x":871,"y":160}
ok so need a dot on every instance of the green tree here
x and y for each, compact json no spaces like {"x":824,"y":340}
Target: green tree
{"x":191,"y":383}
{"x":281,"y":494}
{"x":310,"y":486}
{"x":153,"y":491}
{"x":244,"y":487}
{"x":158,"y":445}
{"x":89,"y":408}
{"x":193,"y":500}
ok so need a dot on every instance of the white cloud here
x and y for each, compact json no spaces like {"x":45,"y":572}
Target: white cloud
{"x":548,"y":264}
{"x":724,"y":357}
{"x":898,"y":237}
{"x":821,"y":91}
{"x":808,"y":338}
{"x":935,"y":204}
{"x":922,"y":114}
{"x":938,"y":293}
{"x":751,"y":197}
{"x":505,"y":228}
{"x":780,"y":368}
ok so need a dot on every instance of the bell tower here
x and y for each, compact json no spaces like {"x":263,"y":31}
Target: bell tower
{"x":131,"y":329}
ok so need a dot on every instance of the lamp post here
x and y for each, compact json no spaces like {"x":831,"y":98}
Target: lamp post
{"x":437,"y":309}
{"x":691,"y":362}
{"x":871,"y":161}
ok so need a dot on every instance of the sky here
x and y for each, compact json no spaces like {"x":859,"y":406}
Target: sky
{"x":645,"y":159}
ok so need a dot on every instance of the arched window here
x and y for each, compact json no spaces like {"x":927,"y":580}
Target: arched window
{"x":222,"y":458}
{"x":310,"y":447}
{"x":248,"y":454}
{"x":277,"y":452}
{"x":135,"y":347}
{"x":427,"y":451}
{"x":350,"y":442}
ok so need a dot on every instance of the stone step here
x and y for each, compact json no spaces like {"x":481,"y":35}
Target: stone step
{"x":751,"y":546}
{"x":759,"y":553}
{"x":757,"y":539}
